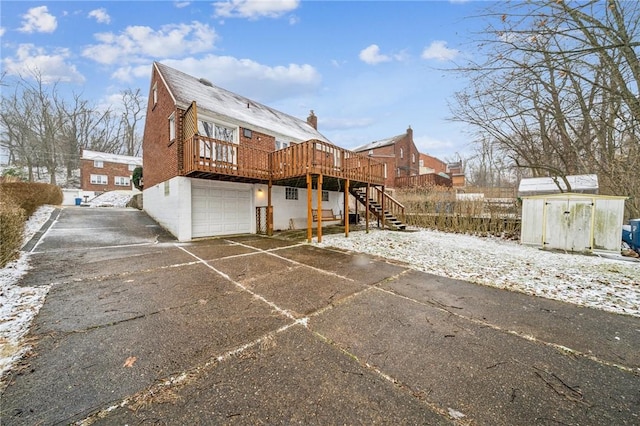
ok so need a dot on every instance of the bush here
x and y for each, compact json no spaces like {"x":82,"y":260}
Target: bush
{"x":18,"y":201}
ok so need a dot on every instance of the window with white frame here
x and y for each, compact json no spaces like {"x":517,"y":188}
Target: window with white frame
{"x":291,"y":193}
{"x":325,"y":195}
{"x":155,"y":94}
{"x":172,"y":127}
{"x":413,"y":157}
{"x":421,"y":163}
{"x":221,"y":132}
{"x":401,"y":153}
{"x":99,"y":179}
{"x":281,"y":144}
{"x":98,"y":164}
{"x":122,"y":181}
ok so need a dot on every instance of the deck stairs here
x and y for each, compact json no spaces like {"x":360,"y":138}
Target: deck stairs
{"x":375,"y":207}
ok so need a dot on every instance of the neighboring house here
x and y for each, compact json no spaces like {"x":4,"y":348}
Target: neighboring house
{"x":404,"y":166}
{"x":217,"y":163}
{"x":101,"y":171}
{"x":398,"y":154}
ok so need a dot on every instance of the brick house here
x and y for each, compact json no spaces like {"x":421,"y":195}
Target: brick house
{"x":217,"y":163}
{"x":398,"y":154}
{"x":101,"y":171}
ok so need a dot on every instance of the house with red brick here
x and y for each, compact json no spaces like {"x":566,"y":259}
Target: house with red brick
{"x":101,"y":171}
{"x":404,"y":165}
{"x":218,"y":163}
{"x":398,"y":154}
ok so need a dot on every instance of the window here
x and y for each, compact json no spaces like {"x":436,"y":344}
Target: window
{"x":401,"y":153}
{"x":370,"y":153}
{"x":291,"y":193}
{"x":281,"y":144}
{"x":99,"y":179}
{"x":398,"y":171}
{"x":413,"y":157}
{"x":325,"y":195}
{"x":167,"y":188}
{"x":132,"y":167}
{"x":421,"y":163}
{"x":122,"y":181}
{"x":385,"y":170}
{"x":155,"y":94}
{"x":221,"y":152}
{"x":98,"y":164}
{"x":247,"y":133}
{"x":172,"y":127}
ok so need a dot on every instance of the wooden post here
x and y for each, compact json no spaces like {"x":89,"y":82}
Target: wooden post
{"x":382,"y":204}
{"x":345,"y":208}
{"x":366,"y":202}
{"x":269,"y":211}
{"x":309,"y":205}
{"x":319,"y":207}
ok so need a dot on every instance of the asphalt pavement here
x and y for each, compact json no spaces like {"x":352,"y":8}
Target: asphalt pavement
{"x":141,"y":329}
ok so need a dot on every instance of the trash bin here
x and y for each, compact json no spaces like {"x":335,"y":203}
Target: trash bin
{"x":78,"y":201}
{"x":635,"y":234}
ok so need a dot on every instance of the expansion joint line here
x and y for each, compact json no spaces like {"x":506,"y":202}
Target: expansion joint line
{"x":280,"y":310}
{"x":271,"y":253}
{"x":560,"y":348}
{"x":178,"y":380}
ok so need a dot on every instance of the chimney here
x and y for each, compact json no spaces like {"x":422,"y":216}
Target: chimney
{"x":312,"y":120}
{"x":410,"y":133}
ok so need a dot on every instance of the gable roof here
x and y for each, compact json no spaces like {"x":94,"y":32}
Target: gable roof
{"x":379,"y":144}
{"x":110,"y":158}
{"x":223,"y":104}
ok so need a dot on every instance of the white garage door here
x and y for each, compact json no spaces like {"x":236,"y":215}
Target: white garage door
{"x":219,"y":211}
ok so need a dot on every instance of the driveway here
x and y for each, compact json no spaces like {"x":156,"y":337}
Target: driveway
{"x":140,"y":329}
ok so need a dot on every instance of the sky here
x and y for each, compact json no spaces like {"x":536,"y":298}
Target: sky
{"x":368,"y":69}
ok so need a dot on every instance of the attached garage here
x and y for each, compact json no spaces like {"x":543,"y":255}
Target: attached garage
{"x":220,"y":209}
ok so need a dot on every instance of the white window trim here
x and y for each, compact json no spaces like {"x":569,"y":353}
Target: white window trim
{"x":172,"y":127}
{"x":125,"y":179}
{"x":98,"y":164}
{"x":98,"y":179}
{"x":155,"y":93}
{"x":236,"y":133}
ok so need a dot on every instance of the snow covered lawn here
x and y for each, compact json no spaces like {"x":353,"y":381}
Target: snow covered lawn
{"x":609,"y":284}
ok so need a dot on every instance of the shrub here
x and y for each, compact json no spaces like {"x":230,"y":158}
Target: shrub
{"x":18,"y":201}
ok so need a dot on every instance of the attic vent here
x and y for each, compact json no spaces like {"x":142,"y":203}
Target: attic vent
{"x":205,"y":82}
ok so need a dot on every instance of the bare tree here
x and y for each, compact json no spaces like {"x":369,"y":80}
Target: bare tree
{"x":558,"y":92}
{"x":132,"y":104}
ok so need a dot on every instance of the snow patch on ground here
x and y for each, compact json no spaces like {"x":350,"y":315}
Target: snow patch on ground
{"x":19,"y":305}
{"x":609,"y":284}
{"x":118,"y":198}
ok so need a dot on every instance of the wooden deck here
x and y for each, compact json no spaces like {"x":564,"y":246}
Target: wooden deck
{"x":215,"y":159}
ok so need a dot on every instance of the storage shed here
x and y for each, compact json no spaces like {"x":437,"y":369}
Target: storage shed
{"x":573,"y":222}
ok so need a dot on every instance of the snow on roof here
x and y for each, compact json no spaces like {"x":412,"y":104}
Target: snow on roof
{"x":378,"y":144}
{"x":547,"y":185}
{"x":110,"y":158}
{"x":220,"y":102}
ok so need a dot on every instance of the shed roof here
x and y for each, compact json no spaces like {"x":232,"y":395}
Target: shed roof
{"x":220,"y":102}
{"x":547,"y":185}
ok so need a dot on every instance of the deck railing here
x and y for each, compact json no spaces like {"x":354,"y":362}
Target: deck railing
{"x":391,"y":205}
{"x":202,"y":154}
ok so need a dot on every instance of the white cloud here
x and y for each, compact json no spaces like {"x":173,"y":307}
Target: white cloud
{"x":344,"y":123}
{"x":138,"y":43}
{"x":293,"y":20}
{"x":439,"y":51}
{"x":433,"y":146}
{"x":101,"y":15}
{"x":51,"y":67}
{"x":38,"y":19}
{"x":256,"y":81}
{"x":128,"y":74}
{"x":371,"y":55}
{"x":181,"y":4}
{"x":254,"y":9}
{"x":2,"y":31}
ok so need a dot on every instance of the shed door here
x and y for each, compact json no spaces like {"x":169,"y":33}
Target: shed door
{"x":568,"y":225}
{"x":219,"y":211}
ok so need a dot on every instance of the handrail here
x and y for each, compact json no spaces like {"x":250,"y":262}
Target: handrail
{"x":393,"y":206}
